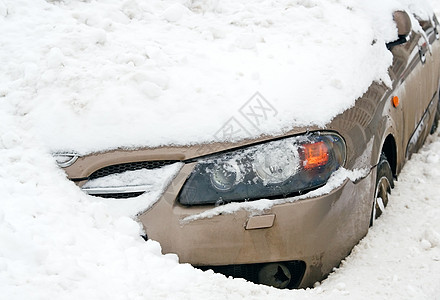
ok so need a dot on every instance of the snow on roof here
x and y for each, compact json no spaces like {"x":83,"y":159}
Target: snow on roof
{"x":97,"y":75}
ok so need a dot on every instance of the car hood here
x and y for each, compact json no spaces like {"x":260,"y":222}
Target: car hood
{"x":132,"y":75}
{"x":87,"y":164}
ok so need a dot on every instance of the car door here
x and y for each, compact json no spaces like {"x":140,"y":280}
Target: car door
{"x":428,"y":48}
{"x":415,"y":70}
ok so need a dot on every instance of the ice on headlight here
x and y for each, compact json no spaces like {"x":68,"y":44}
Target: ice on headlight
{"x":224,"y":176}
{"x":274,"y":164}
{"x":273,"y":169}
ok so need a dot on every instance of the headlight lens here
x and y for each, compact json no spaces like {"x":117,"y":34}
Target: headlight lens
{"x":224,"y":176}
{"x":271,"y":170}
{"x":276,"y":165}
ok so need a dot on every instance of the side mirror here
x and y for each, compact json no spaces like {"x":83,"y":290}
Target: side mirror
{"x":404,"y":27}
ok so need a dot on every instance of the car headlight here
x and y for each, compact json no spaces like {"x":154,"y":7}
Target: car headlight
{"x":275,"y":169}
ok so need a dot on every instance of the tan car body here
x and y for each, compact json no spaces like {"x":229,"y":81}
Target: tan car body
{"x":318,"y":232}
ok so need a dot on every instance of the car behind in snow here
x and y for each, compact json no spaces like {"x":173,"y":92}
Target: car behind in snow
{"x":307,"y":225}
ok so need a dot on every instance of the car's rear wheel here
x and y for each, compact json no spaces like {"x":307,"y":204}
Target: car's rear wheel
{"x":436,"y":119}
{"x":384,"y":184}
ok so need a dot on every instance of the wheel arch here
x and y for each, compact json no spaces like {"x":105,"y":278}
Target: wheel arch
{"x":389,"y":148}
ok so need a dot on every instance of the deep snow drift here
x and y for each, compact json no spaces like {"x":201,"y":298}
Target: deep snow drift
{"x":57,"y":244}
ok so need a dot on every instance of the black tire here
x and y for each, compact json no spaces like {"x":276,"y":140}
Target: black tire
{"x":384,"y":184}
{"x":436,"y":119}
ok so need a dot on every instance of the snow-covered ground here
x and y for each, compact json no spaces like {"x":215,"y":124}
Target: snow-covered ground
{"x":57,"y":244}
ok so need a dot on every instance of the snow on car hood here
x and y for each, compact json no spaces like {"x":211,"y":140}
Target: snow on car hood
{"x":97,"y":75}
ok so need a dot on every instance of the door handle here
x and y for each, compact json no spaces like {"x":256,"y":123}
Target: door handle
{"x":422,"y":54}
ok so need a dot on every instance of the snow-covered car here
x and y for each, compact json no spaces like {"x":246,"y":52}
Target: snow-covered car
{"x":280,"y":209}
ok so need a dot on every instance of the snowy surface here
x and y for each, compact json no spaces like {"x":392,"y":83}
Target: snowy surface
{"x":96,"y":75}
{"x":55,"y":243}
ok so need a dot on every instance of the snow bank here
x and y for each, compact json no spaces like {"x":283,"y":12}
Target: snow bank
{"x":97,"y":75}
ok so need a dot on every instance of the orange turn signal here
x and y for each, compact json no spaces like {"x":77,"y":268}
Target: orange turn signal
{"x":395,"y":101}
{"x":316,"y":155}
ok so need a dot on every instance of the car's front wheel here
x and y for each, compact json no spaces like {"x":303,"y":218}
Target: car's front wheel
{"x":384,"y":184}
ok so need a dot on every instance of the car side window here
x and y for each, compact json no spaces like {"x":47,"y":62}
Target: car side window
{"x":401,"y":55}
{"x":430,"y":27}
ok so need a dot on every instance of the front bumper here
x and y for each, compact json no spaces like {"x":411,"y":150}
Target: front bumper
{"x":318,"y":231}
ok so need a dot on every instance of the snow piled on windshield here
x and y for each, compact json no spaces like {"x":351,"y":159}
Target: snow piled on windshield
{"x":97,"y":75}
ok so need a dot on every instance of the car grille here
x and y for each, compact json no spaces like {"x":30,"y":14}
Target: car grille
{"x":119,"y":195}
{"x":133,"y":166}
{"x":120,"y":168}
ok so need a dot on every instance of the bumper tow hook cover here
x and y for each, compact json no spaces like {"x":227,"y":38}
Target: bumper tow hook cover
{"x":260,"y":222}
